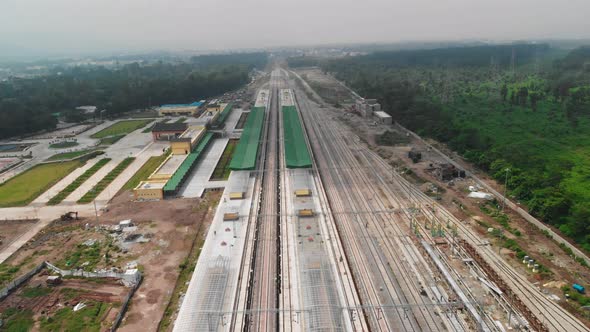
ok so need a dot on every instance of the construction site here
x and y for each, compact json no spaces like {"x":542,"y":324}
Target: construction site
{"x":304,"y":208}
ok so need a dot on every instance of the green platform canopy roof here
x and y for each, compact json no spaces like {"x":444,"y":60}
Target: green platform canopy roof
{"x":187,"y":165}
{"x":225,"y":113}
{"x":296,"y":152}
{"x":247,"y":149}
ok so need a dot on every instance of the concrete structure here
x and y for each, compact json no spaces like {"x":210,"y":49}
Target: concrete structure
{"x":367,"y":107}
{"x":167,"y":168}
{"x":153,"y":187}
{"x":168,"y":131}
{"x":149,"y":190}
{"x":187,"y":141}
{"x":198,"y":181}
{"x":383,"y":118}
{"x":180,"y":109}
{"x":214,"y":282}
{"x":214,"y":106}
{"x":87,"y":109}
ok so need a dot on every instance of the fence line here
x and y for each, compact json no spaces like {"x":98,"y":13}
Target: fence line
{"x":15,"y":283}
{"x":129,"y":279}
{"x":125,"y":305}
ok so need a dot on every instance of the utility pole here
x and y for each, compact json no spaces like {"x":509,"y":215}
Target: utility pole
{"x":94,"y":201}
{"x":505,"y":189}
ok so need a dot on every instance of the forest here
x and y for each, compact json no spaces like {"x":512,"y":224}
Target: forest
{"x":525,"y":108}
{"x":27,"y":105}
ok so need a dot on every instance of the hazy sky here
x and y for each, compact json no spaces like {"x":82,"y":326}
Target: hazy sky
{"x":66,"y":26}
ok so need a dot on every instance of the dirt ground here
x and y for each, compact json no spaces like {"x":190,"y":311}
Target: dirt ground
{"x":66,"y":295}
{"x":174,"y":224}
{"x":168,"y":228}
{"x":453,"y":195}
{"x":325,"y":86}
{"x":10,"y":230}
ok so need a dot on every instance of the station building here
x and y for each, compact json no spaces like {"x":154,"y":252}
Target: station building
{"x":153,"y":187}
{"x":186,"y":142}
{"x":214,"y":106}
{"x":167,"y":131}
{"x":191,"y":109}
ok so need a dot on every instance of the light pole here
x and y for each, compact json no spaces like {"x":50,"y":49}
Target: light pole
{"x":505,"y":189}
{"x":95,"y":210}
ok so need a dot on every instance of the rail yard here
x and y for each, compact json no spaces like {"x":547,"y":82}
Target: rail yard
{"x":336,"y":239}
{"x":311,"y":231}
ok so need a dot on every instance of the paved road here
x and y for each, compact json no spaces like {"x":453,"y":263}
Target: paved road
{"x":136,"y":144}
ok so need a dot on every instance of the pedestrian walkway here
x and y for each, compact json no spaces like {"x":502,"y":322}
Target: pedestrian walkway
{"x":198,"y":181}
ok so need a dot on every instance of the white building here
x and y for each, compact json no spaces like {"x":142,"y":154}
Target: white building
{"x":368,"y":106}
{"x":87,"y":109}
{"x":383,"y":118}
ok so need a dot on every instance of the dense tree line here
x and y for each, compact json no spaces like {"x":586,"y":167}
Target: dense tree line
{"x":27,"y":105}
{"x":257,"y":59}
{"x":534,"y":122}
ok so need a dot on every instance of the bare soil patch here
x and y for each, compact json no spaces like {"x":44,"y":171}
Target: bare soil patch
{"x":11,"y":230}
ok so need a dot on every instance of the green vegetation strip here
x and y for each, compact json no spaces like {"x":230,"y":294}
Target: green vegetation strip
{"x":187,"y":165}
{"x":17,"y":320}
{"x":63,"y":145}
{"x":68,"y":155}
{"x":145,"y":171}
{"x":296,"y":152}
{"x":110,"y":140}
{"x":102,"y":184}
{"x":222,"y":170}
{"x":25,"y":187}
{"x":77,"y":182}
{"x":121,"y":128}
{"x":245,"y":155}
{"x":225,"y":113}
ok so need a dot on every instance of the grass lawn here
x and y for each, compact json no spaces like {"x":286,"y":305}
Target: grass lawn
{"x":25,"y":187}
{"x":110,"y":140}
{"x":67,"y":155}
{"x":76,"y":183}
{"x":142,"y":174}
{"x":102,"y":184}
{"x":17,"y":320}
{"x":63,"y":145}
{"x":85,"y":319}
{"x":121,"y":128}
{"x":222,"y":170}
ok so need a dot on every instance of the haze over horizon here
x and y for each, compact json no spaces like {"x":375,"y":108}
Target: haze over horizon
{"x":40,"y":27}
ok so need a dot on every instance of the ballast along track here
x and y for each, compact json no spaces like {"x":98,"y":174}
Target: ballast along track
{"x":387,"y":289}
{"x":263,"y":295}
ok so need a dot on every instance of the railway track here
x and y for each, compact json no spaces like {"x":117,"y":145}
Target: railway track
{"x":551,"y":314}
{"x":263,"y":296}
{"x":381,"y":279}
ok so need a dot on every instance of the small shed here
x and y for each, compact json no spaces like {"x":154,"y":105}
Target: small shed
{"x":53,"y":280}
